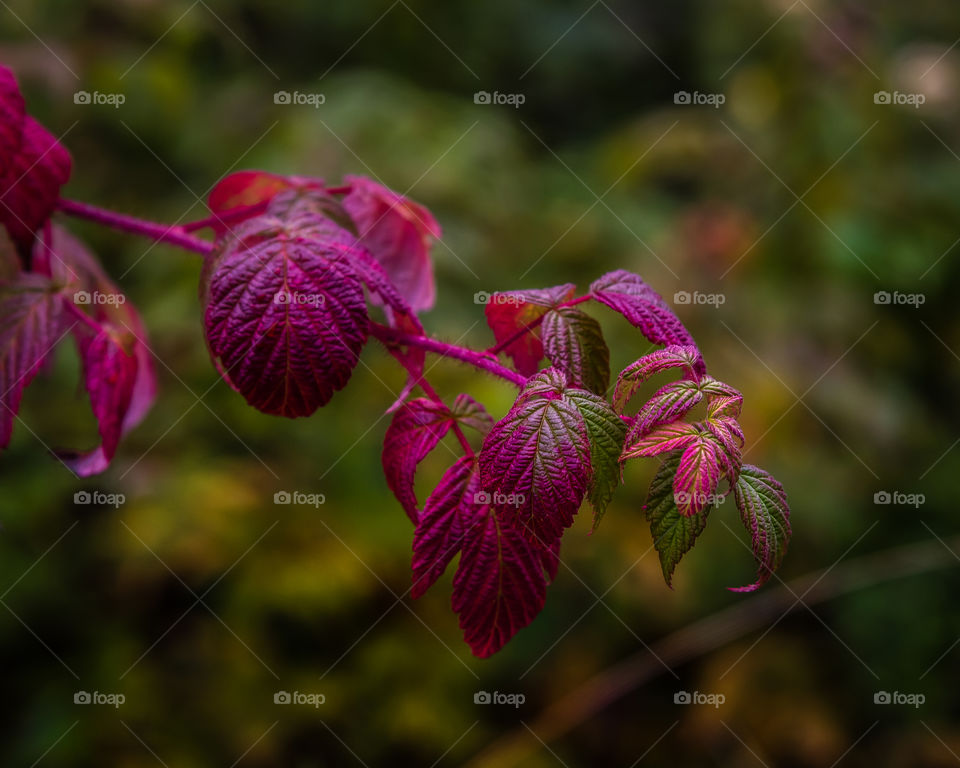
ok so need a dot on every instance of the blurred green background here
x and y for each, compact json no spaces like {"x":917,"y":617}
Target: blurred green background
{"x":797,"y":200}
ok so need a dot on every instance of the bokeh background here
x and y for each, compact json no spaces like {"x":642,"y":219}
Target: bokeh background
{"x":796,"y":200}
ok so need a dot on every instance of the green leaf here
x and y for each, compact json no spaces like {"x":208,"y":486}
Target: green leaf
{"x":573,"y":342}
{"x":673,"y":534}
{"x":606,"y":432}
{"x":766,"y":515}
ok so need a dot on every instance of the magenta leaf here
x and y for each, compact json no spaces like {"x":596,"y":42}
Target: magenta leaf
{"x":499,"y":586}
{"x":728,"y":433}
{"x":468,"y":411}
{"x":724,"y":406}
{"x":417,"y":427}
{"x":606,"y":432}
{"x":439,"y":534}
{"x":535,"y":462}
{"x":766,"y":515}
{"x":673,"y":533}
{"x":634,"y":375}
{"x":510,"y":316}
{"x":573,"y":342}
{"x":285,"y":314}
{"x":698,"y":475}
{"x":668,"y":403}
{"x":31,"y":323}
{"x":644,"y":308}
{"x":12,"y":114}
{"x":665,"y":439}
{"x":398,"y":233}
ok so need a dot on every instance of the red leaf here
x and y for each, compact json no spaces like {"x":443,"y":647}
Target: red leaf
{"x":31,"y":323}
{"x":667,"y":438}
{"x":244,"y":189}
{"x":629,"y":295}
{"x":416,"y":429}
{"x":511,"y":312}
{"x":439,"y":534}
{"x":12,"y":114}
{"x":535,"y":462}
{"x":500,"y":586}
{"x":285,"y":313}
{"x":397,"y":232}
{"x":634,"y":375}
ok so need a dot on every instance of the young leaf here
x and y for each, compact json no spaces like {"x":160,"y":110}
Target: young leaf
{"x":285,"y":314}
{"x":728,"y":433}
{"x":667,"y":403}
{"x":243,"y":189}
{"x":673,"y":533}
{"x":698,"y":475}
{"x":398,"y":233}
{"x":499,"y":586}
{"x":606,"y":432}
{"x":644,"y":308}
{"x":510,"y":314}
{"x":468,"y":411}
{"x":439,"y":534}
{"x":417,"y":427}
{"x":31,"y":323}
{"x":667,"y":438}
{"x":766,"y":515}
{"x":535,"y":463}
{"x":573,"y":342}
{"x":634,"y":375}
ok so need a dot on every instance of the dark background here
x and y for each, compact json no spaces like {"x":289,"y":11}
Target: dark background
{"x":844,"y":398}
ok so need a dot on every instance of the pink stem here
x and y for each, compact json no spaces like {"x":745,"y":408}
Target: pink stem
{"x":474,"y":358}
{"x":160,"y":233}
{"x":521,"y":332}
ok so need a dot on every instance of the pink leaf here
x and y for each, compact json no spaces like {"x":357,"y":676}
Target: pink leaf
{"x":246,"y":189}
{"x":31,"y":323}
{"x":439,"y":534}
{"x":697,"y":477}
{"x":634,"y":375}
{"x":667,"y":403}
{"x":468,"y":411}
{"x":397,"y":232}
{"x":285,"y":314}
{"x":535,"y":463}
{"x":643,"y":307}
{"x":766,"y":515}
{"x":12,"y":114}
{"x":500,"y":586}
{"x":510,"y":313}
{"x":666,"y":438}
{"x":416,"y":429}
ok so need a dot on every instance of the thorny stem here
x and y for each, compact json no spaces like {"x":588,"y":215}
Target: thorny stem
{"x":496,"y":350}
